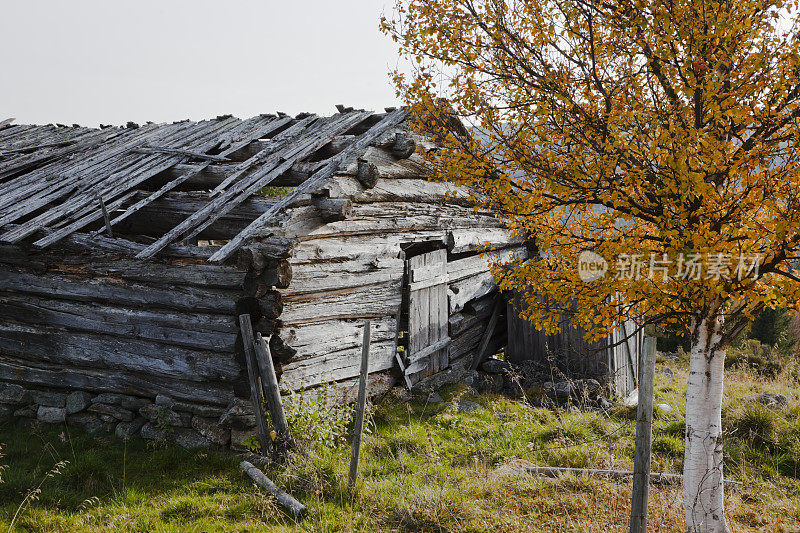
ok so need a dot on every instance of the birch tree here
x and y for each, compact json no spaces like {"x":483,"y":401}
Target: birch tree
{"x":657,"y":138}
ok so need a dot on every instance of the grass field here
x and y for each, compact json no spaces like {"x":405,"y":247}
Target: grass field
{"x":424,"y":468}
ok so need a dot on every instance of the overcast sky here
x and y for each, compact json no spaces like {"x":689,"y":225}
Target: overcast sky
{"x":101,"y":61}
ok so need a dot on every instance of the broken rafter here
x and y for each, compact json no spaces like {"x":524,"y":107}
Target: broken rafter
{"x":259,"y":132}
{"x":272,"y":167}
{"x":178,"y":151}
{"x":346,"y":156}
{"x":122,"y":182}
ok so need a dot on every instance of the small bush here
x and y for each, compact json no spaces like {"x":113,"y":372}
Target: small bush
{"x":754,"y":423}
{"x":751,"y":353}
{"x":316,"y":417}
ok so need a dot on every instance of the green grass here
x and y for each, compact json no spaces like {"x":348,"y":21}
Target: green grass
{"x":423,"y":468}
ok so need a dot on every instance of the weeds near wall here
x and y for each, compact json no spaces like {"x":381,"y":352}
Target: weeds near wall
{"x":33,"y":494}
{"x":319,"y":417}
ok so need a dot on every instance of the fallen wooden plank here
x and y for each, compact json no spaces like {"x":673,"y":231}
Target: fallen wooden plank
{"x":297,"y":509}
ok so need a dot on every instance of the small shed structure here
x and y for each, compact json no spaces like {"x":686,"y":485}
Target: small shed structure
{"x":613,"y":360}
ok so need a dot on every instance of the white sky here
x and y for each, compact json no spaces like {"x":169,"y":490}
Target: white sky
{"x":101,"y":61}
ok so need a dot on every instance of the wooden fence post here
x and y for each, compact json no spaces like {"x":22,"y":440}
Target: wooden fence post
{"x":272,"y":393}
{"x":246,"y":328}
{"x":361,"y":403}
{"x":644,"y":436}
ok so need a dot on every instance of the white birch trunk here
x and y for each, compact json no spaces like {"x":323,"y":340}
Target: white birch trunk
{"x":702,"y":470}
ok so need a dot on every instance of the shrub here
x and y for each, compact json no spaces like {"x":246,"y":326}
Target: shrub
{"x":751,"y":353}
{"x":755,"y":423}
{"x":316,"y":417}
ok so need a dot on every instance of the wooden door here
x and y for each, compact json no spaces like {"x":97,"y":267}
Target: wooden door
{"x":428,"y":338}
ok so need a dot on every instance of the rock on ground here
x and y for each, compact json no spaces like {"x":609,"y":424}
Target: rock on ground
{"x":435,"y":397}
{"x":769,"y":399}
{"x":666,"y":373}
{"x":131,"y":403}
{"x":465,"y":406}
{"x":496,"y":366}
{"x":91,"y":422}
{"x":13,"y":394}
{"x":211,"y":430}
{"x":189,"y":438}
{"x":112,"y":410}
{"x":664,"y":408}
{"x":149,"y":431}
{"x":49,"y":399}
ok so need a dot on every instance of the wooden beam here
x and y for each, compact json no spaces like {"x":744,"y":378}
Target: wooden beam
{"x":269,"y":382}
{"x":347,"y":155}
{"x":178,"y":151}
{"x":483,"y":348}
{"x":255,"y":390}
{"x":105,"y":216}
{"x":297,"y":509}
{"x":332,"y":209}
{"x":417,"y":358}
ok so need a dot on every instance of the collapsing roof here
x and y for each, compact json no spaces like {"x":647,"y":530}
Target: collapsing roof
{"x":58,"y":180}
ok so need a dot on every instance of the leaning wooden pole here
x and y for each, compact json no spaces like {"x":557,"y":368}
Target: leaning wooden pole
{"x":358,"y":426}
{"x":297,"y":509}
{"x":246,"y":328}
{"x":644,"y":436}
{"x":272,"y":394}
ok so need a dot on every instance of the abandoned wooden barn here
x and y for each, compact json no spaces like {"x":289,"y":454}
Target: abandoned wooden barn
{"x":126,"y":255}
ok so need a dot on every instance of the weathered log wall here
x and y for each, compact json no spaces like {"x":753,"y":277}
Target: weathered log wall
{"x":346,"y":271}
{"x":93,"y":337}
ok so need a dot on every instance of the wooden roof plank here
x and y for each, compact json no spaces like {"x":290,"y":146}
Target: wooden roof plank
{"x":274,"y":165}
{"x":138,"y":169}
{"x":264,"y":128}
{"x":47,"y":180}
{"x":290,"y":160}
{"x":344,"y":157}
{"x":32,"y":195}
{"x":127,"y":182}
